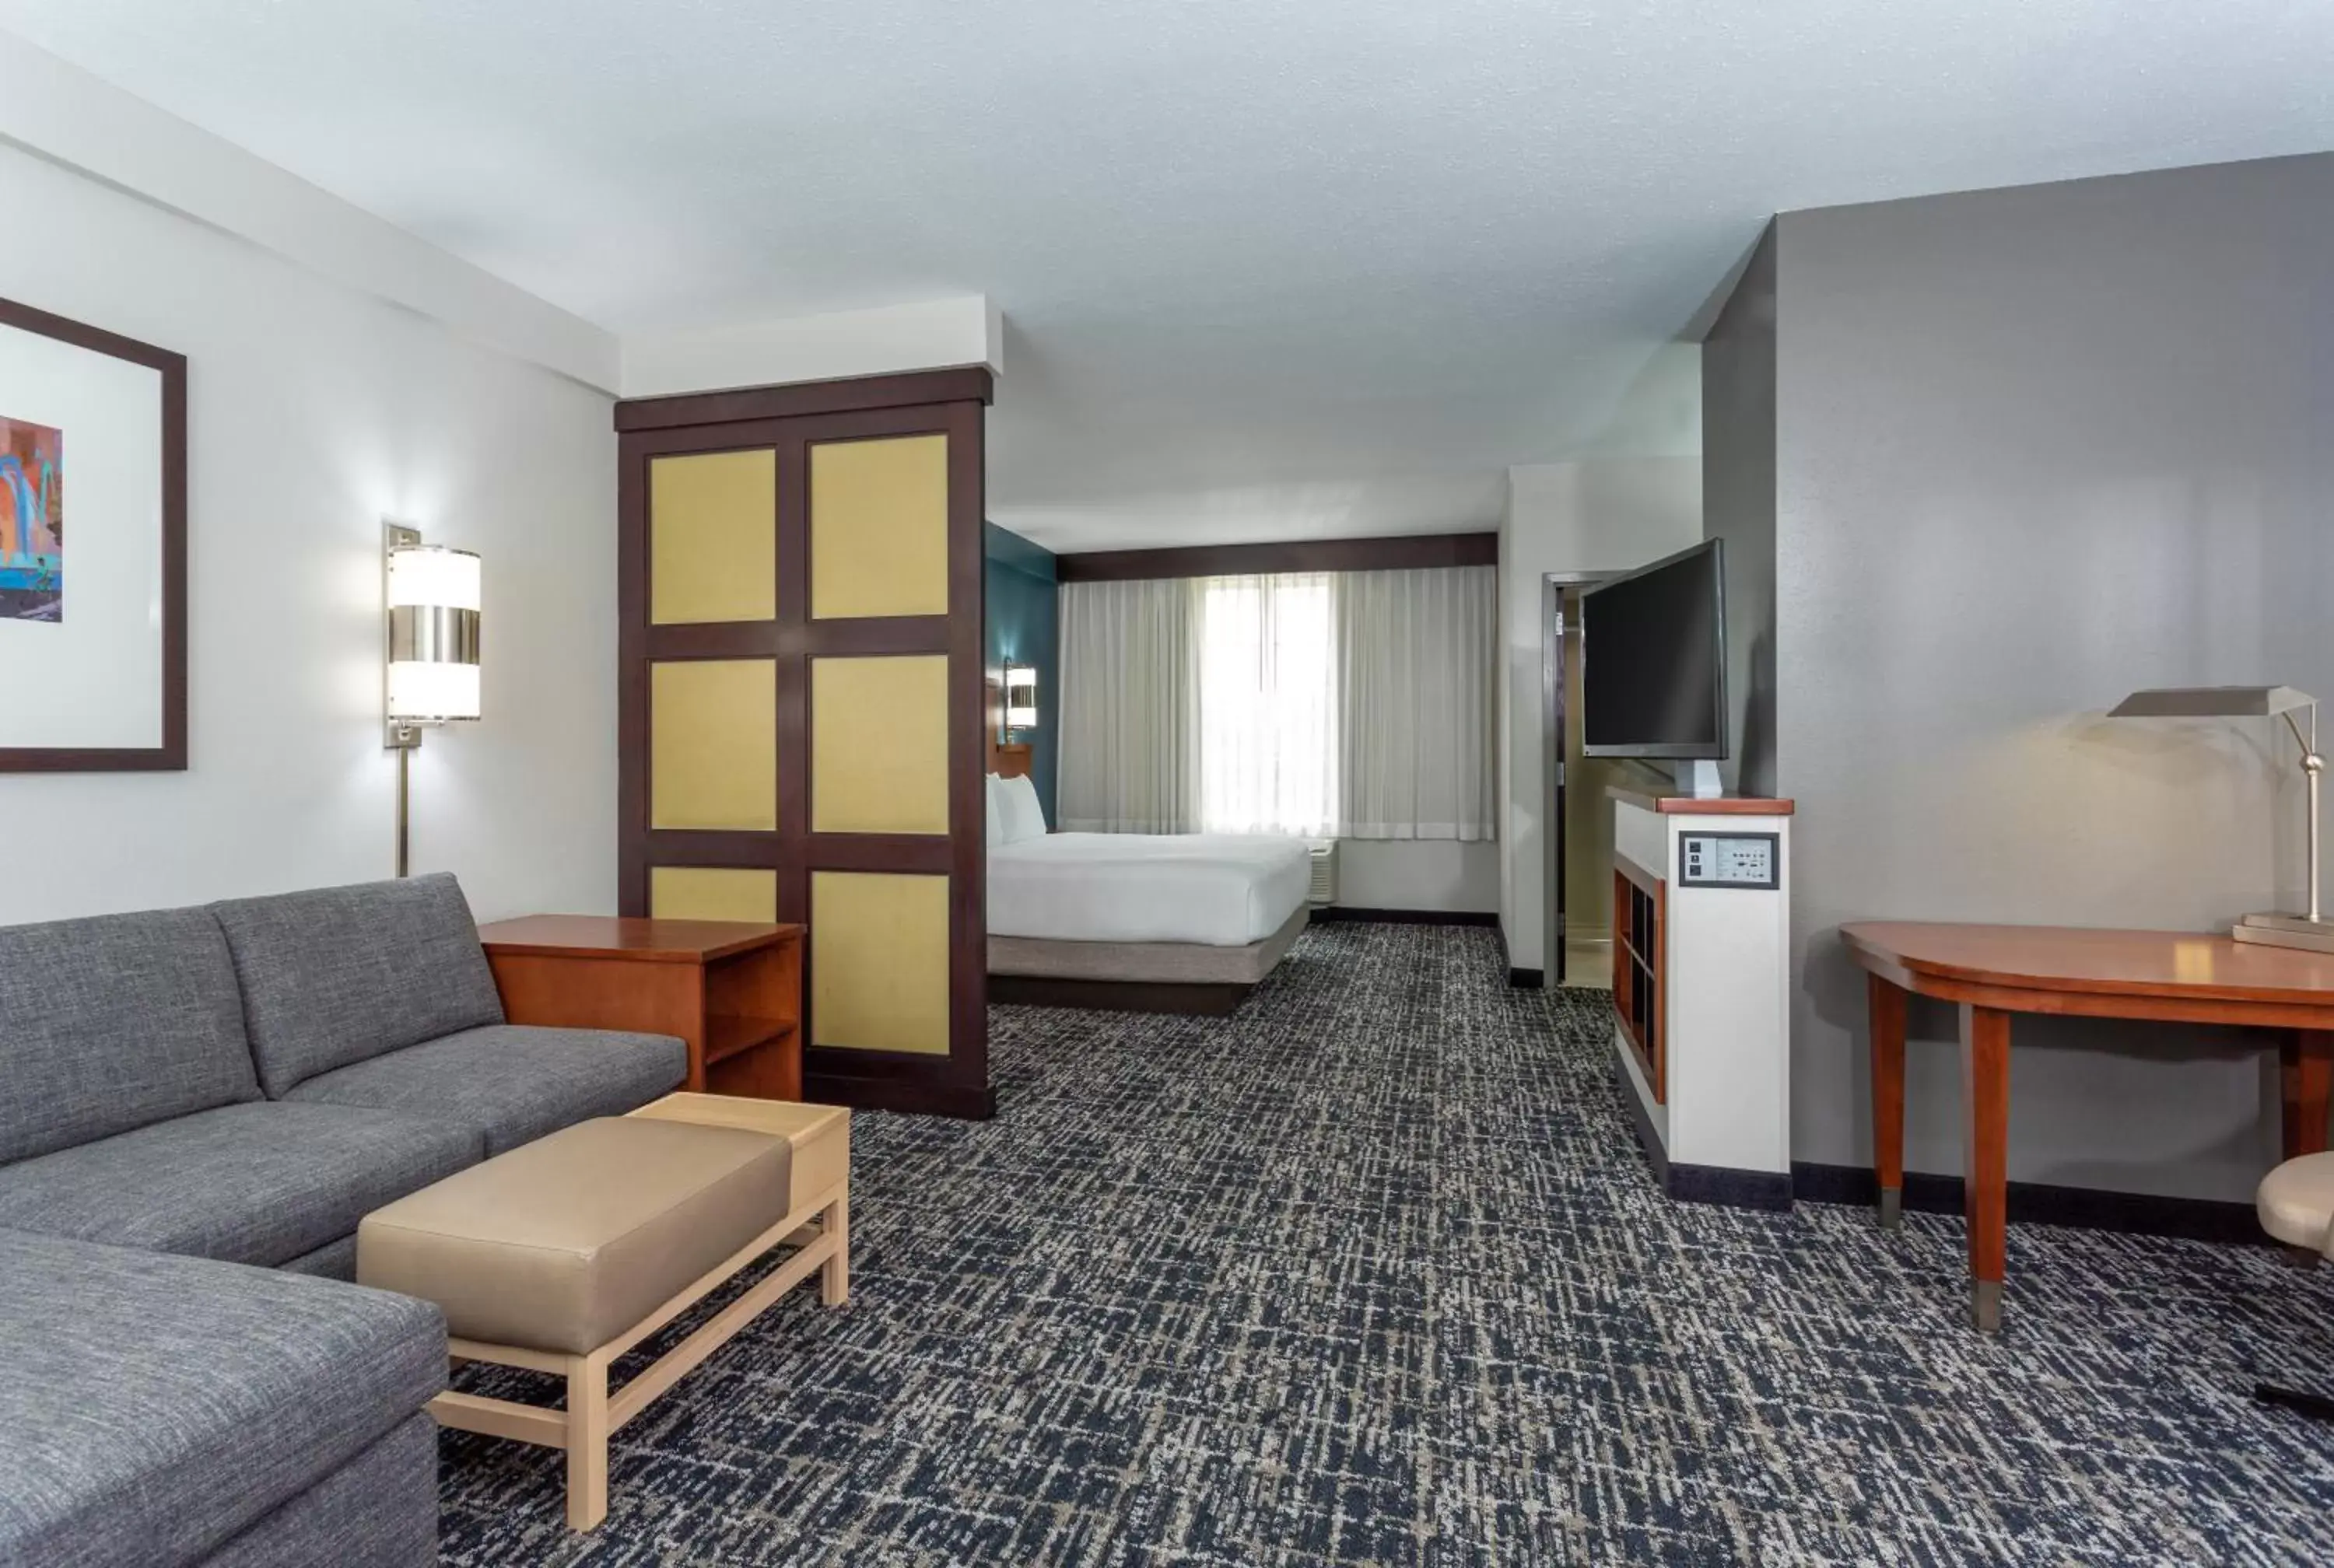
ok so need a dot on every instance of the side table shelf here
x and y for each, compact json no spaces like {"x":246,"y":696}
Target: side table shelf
{"x":1641,"y":968}
{"x":731,"y":989}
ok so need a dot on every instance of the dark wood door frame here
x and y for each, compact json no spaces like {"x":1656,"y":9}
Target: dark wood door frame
{"x":789,"y":420}
{"x":1552,"y":719}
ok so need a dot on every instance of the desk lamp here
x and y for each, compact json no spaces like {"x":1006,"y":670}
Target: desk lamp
{"x":2310,"y":930}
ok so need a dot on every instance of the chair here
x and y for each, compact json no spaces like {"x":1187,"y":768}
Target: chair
{"x":2296,"y":1205}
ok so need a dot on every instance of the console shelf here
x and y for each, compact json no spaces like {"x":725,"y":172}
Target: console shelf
{"x":1639,"y":951}
{"x":732,"y":990}
{"x":1701,"y":935}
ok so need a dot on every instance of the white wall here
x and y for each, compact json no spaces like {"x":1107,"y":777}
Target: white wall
{"x":2035,"y":448}
{"x":72,"y":119}
{"x":932,"y":334}
{"x":1598,"y":514}
{"x":1418,"y":874}
{"x":315,"y":412}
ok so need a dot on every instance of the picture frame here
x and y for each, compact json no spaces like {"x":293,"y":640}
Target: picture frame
{"x":93,"y":593}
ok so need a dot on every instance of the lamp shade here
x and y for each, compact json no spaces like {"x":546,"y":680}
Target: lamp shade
{"x":434,"y":596}
{"x":2211,"y":702}
{"x":1020,"y":697}
{"x":431,"y":576}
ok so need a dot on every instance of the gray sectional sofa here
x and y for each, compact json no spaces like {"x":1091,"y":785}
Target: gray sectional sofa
{"x":197,"y":1107}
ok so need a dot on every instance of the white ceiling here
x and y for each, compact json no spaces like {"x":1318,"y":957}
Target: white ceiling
{"x":1270,"y":269}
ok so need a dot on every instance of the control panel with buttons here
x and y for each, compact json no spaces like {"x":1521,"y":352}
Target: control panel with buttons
{"x":1731,"y":860}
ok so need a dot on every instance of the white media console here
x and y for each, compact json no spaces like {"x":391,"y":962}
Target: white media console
{"x":1702,"y":928}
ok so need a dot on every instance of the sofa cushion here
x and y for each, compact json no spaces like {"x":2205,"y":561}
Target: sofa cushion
{"x":113,"y":1022}
{"x":156,"y":1405}
{"x":261,"y":1183}
{"x":339,"y":975}
{"x":566,"y":1244}
{"x":511,"y":1083}
{"x":333,"y":1260}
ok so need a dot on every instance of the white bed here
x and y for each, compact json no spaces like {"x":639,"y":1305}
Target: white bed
{"x":1178,"y":923}
{"x":1205,"y":889}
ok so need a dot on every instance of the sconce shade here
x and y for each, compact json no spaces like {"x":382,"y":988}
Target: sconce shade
{"x":434,"y":596}
{"x":422,"y":693}
{"x":1020,"y":697}
{"x":433,"y":576}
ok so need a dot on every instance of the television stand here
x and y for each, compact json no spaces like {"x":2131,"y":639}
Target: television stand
{"x":1701,"y":991}
{"x":1698,"y":777}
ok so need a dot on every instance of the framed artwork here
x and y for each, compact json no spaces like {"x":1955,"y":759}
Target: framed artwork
{"x":93,"y":548}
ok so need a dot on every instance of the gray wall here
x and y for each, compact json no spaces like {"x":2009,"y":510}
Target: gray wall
{"x":1738,"y":506}
{"x":2036,"y":448}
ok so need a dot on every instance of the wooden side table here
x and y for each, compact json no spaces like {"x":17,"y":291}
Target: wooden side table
{"x":731,"y":989}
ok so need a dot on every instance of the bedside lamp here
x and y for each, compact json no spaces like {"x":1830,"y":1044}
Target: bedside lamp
{"x":1020,"y":697}
{"x":430,"y":600}
{"x":2310,"y":930}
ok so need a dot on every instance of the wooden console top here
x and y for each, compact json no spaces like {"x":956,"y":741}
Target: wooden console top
{"x":630,"y":938}
{"x":1679,"y":805}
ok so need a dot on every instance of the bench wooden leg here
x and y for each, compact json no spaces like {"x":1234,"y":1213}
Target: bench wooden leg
{"x":822,"y":1238}
{"x":587,"y":1440}
{"x":834,"y":1274}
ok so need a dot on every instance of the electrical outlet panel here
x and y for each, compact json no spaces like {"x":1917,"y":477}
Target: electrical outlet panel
{"x":1730,"y":861}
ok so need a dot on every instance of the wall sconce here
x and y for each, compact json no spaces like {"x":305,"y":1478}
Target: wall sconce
{"x":431,"y":600}
{"x":1020,"y":697}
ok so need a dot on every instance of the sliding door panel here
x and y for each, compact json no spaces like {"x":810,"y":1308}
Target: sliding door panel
{"x":712,"y":893}
{"x":879,"y":745}
{"x":713,"y":743}
{"x":713,"y":537}
{"x":878,"y":536}
{"x":879,"y":950}
{"x":801,"y":694}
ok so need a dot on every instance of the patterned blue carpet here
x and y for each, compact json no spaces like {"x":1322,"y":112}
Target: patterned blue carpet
{"x":1373,"y":1273}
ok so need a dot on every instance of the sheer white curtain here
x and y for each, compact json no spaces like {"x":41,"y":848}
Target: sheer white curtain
{"x":1268,"y":703}
{"x":1346,"y":705}
{"x":1417,"y":657}
{"x":1130,"y":706}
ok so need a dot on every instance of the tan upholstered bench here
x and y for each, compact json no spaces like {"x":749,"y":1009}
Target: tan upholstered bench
{"x":564,"y":1254}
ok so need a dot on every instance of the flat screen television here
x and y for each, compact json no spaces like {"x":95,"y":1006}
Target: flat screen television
{"x":1653,"y":650}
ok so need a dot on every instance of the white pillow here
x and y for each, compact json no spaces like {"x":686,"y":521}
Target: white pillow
{"x":996,"y":817}
{"x":1019,"y":815}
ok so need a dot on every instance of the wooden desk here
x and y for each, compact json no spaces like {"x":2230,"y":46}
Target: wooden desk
{"x":731,"y":989}
{"x":1994,"y":971}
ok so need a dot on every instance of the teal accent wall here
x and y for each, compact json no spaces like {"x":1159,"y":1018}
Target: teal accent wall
{"x":1023,"y":628}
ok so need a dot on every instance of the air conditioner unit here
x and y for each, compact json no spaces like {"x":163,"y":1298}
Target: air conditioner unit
{"x":1323,"y":890}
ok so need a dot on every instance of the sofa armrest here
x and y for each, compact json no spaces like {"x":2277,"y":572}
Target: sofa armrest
{"x":157,"y":1405}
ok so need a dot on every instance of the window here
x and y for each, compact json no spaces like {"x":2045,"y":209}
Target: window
{"x":1324,"y":705}
{"x":1268,"y":738}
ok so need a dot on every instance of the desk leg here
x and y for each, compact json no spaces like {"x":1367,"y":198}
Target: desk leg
{"x":1985,"y":1157}
{"x":2305,"y":1077}
{"x":1886,"y":1006}
{"x":1886,"y":1009}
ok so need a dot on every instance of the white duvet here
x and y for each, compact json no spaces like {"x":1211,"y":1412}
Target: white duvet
{"x":1216,"y":889}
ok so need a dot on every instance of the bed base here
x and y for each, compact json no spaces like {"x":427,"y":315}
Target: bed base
{"x":1135,"y":976}
{"x":1196,"y":999}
